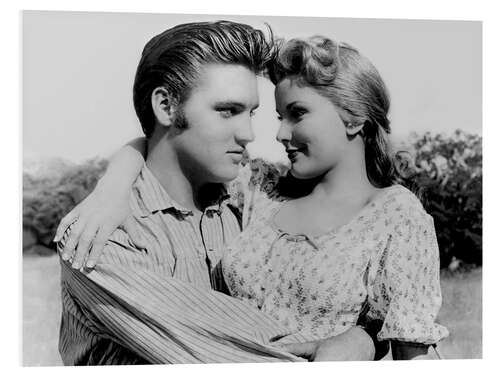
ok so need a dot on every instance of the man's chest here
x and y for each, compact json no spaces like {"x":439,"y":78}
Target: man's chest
{"x":193,"y":245}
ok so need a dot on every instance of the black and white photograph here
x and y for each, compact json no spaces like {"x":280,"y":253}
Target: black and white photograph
{"x":206,"y":188}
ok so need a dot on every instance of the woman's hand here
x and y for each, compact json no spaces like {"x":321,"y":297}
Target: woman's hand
{"x":353,"y":345}
{"x":92,"y":222}
{"x":97,"y":216}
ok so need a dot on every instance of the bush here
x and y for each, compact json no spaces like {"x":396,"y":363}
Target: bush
{"x":449,"y":170}
{"x":47,"y":200}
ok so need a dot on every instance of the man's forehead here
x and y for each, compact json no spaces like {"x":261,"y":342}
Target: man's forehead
{"x":228,"y":83}
{"x":215,"y":74}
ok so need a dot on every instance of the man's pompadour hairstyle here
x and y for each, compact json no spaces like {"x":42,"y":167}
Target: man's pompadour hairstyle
{"x":174,"y":59}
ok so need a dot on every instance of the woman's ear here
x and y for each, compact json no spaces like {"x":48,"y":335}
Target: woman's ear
{"x":354,"y":129}
{"x":163,"y":106}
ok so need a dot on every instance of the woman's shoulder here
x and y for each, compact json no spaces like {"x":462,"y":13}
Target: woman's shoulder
{"x":403,"y":199}
{"x":402,"y":205}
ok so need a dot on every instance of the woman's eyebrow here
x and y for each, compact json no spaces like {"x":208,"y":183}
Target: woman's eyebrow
{"x":287,"y":108}
{"x":290,"y":105}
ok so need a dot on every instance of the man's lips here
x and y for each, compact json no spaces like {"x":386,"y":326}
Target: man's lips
{"x":236,"y":155}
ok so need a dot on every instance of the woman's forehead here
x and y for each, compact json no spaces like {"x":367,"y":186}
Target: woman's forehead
{"x":292,"y":89}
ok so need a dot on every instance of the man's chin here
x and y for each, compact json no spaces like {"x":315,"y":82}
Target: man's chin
{"x":229,"y":174}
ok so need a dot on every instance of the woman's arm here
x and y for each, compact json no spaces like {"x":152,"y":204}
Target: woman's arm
{"x":406,"y":290}
{"x":353,"y":345}
{"x":94,"y":219}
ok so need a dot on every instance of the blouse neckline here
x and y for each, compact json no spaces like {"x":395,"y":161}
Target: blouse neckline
{"x":371,"y":204}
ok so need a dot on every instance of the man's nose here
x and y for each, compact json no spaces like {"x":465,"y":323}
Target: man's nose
{"x":244,"y":133}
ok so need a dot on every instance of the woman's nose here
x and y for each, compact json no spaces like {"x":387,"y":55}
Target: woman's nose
{"x":284,"y":133}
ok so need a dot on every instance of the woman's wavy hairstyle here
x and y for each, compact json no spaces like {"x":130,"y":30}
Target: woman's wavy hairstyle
{"x":175,"y":58}
{"x":350,"y":81}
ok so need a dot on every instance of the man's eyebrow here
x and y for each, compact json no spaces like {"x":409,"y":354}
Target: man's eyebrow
{"x":232,"y":103}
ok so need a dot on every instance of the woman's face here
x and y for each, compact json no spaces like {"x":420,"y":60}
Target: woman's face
{"x":312,"y":131}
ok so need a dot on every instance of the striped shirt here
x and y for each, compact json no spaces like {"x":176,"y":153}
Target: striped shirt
{"x":157,"y":305}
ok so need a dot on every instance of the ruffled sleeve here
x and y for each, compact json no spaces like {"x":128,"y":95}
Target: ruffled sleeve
{"x":405,"y":289}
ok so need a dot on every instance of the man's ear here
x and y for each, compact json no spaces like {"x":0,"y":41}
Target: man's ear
{"x":163,"y":106}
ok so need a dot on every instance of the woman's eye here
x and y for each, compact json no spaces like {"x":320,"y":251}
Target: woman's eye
{"x":252,"y":113}
{"x":297,"y":113}
{"x":280,"y":118}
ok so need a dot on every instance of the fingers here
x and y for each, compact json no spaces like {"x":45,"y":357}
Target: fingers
{"x":98,"y":245}
{"x":73,"y":238}
{"x":84,"y":244}
{"x":306,"y":349}
{"x":65,"y":223}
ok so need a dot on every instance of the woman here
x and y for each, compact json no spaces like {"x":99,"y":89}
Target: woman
{"x":342,"y":236}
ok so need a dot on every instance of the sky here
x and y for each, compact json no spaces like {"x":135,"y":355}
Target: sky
{"x":78,"y":71}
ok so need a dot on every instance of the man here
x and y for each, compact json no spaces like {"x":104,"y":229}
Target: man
{"x":194,"y":93}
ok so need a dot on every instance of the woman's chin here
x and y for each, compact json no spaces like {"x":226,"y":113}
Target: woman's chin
{"x":296,"y":174}
{"x":304,"y":174}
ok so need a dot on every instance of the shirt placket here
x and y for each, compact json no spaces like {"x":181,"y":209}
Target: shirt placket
{"x":196,"y":244}
{"x":213,"y":234}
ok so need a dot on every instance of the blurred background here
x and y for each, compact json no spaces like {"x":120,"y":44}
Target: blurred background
{"x":78,"y":70}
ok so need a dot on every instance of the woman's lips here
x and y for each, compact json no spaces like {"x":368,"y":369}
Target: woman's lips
{"x":294,"y":153}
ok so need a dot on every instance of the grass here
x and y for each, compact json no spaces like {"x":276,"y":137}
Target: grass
{"x":461,"y":312}
{"x":41,"y":310}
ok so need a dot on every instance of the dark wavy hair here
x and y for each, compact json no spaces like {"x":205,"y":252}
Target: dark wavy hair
{"x":174,"y":60}
{"x":351,"y":82}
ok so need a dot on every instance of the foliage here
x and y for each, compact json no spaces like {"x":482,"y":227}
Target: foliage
{"x":47,"y":199}
{"x":449,"y":170}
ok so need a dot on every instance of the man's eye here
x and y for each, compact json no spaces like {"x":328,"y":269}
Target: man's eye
{"x":226,"y":113}
{"x":252,"y":113}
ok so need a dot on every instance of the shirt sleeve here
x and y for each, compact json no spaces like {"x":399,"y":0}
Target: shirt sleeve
{"x":406,"y":291}
{"x":165,"y":320}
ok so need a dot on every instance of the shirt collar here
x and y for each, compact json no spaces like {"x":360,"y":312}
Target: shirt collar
{"x":153,"y":197}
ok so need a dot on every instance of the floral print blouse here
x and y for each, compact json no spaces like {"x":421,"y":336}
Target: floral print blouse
{"x":384,"y":262}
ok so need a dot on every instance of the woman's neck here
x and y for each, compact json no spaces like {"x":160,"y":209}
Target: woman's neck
{"x":347,"y":180}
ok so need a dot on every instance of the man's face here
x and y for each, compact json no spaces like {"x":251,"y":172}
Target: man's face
{"x":218,"y":116}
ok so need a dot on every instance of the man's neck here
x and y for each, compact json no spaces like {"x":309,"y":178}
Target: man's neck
{"x":163,"y":162}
